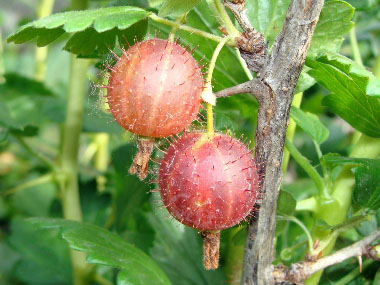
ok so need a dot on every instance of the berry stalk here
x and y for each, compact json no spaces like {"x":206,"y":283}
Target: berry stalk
{"x":207,"y":94}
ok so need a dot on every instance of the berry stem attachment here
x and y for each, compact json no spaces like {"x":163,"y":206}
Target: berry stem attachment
{"x":207,"y":94}
{"x":140,"y":162}
{"x":174,"y":29}
{"x":211,"y":244}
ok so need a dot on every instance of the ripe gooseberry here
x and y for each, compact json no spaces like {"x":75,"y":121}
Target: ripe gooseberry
{"x":208,"y":182}
{"x":154,"y":91}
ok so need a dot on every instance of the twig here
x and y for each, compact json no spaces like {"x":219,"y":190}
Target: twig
{"x":251,"y":43}
{"x":300,"y":271}
{"x":278,"y":76}
{"x":36,"y":154}
{"x":255,"y":87}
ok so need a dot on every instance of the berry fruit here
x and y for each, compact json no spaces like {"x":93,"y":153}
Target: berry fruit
{"x":155,"y":88}
{"x":208,"y":182}
{"x":154,"y":91}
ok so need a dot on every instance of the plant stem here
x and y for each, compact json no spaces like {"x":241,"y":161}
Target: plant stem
{"x":35,"y":182}
{"x":354,"y":273}
{"x":40,"y":157}
{"x":290,"y":132}
{"x":309,"y":204}
{"x":221,"y":15}
{"x":355,"y":47}
{"x":309,"y":169}
{"x":376,"y":66}
{"x":207,"y":93}
{"x":301,"y":225}
{"x":342,"y":190}
{"x":2,"y":70}
{"x":69,"y":157}
{"x":44,"y":9}
{"x":191,"y":30}
{"x":101,"y":158}
{"x":172,"y":33}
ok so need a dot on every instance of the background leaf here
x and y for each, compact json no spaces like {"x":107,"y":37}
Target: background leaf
{"x":104,"y":247}
{"x":95,"y":31}
{"x":176,"y":8}
{"x":44,"y":258}
{"x":334,"y":23}
{"x":367,"y":178}
{"x":178,"y":249}
{"x":286,"y":203}
{"x":355,"y":91}
{"x":311,"y":124}
{"x":267,"y":16}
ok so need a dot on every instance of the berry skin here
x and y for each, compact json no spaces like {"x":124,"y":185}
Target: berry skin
{"x":155,"y":89}
{"x":208,"y":182}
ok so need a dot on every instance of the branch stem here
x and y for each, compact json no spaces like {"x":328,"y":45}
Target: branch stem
{"x":70,"y":146}
{"x":300,"y":271}
{"x":44,"y":9}
{"x":34,"y":153}
{"x":189,"y":29}
{"x":355,"y":47}
{"x":309,"y":169}
{"x":291,"y":131}
{"x":207,"y":93}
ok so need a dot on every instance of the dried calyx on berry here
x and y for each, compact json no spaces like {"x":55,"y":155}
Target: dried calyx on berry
{"x":154,"y":91}
{"x":208,"y":182}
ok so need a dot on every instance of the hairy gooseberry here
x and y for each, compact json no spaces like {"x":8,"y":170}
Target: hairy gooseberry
{"x":154,"y":91}
{"x":208,"y":182}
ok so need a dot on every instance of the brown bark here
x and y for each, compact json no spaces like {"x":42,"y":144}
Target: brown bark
{"x":274,"y":88}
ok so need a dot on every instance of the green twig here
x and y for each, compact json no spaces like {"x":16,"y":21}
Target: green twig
{"x":309,"y":169}
{"x":221,"y":15}
{"x":355,"y":47}
{"x":309,"y":204}
{"x":2,"y":70}
{"x":70,"y":146}
{"x":35,"y":182}
{"x":302,"y":226}
{"x":207,"y":93}
{"x":354,"y":273}
{"x":43,"y":9}
{"x":190,"y":29}
{"x":34,"y":153}
{"x":290,"y":132}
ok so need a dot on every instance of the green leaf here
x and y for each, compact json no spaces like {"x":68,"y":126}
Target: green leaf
{"x":364,"y":4}
{"x":43,"y":258}
{"x":286,"y":203}
{"x":129,"y":193}
{"x":355,"y":91}
{"x":178,"y":250}
{"x":267,"y":16}
{"x":367,"y":178}
{"x":334,"y":23}
{"x":311,"y":124}
{"x":367,"y":185}
{"x":106,"y":248}
{"x":332,"y":159}
{"x":176,"y":8}
{"x":94,"y":30}
{"x":24,"y":103}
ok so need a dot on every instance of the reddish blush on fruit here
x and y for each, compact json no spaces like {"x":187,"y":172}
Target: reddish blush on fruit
{"x":154,"y":91}
{"x":208,"y":182}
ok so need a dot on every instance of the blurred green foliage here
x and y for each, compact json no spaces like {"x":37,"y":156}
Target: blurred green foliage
{"x":126,"y":227}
